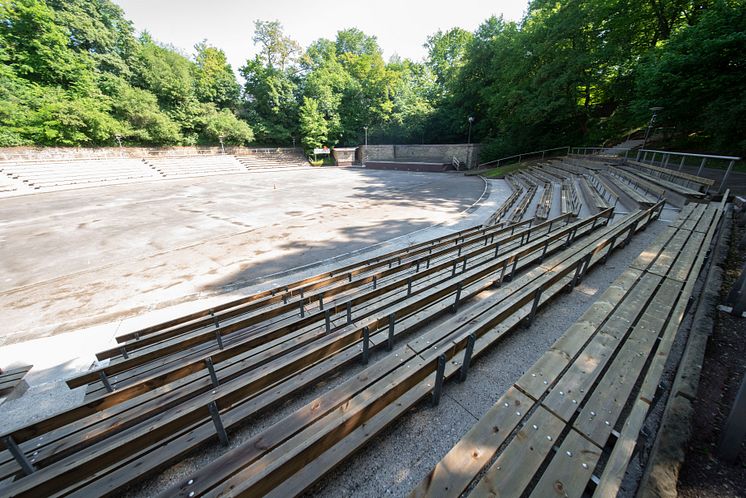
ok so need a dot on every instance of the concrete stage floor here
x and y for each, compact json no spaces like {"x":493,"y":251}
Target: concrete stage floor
{"x":80,"y":258}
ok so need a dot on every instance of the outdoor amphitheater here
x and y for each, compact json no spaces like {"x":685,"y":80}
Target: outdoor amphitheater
{"x":219,"y":323}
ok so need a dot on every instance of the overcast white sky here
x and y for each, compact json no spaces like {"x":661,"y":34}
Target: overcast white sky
{"x":401,"y":26}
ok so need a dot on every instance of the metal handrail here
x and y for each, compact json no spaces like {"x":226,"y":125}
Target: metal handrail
{"x":520,"y":156}
{"x":690,"y":154}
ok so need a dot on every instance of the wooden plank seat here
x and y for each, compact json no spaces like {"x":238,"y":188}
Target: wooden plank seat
{"x":527,"y":179}
{"x":581,"y":162}
{"x":314,"y":292}
{"x":288,"y":457}
{"x":570,"y":168}
{"x":592,"y":194}
{"x":569,"y":425}
{"x":504,"y":208}
{"x":297,"y":289}
{"x":558,"y":173}
{"x":686,"y":179}
{"x":667,"y":185}
{"x":604,"y":188}
{"x":543,"y":175}
{"x":102,"y":440}
{"x":569,"y":196}
{"x":366,"y":303}
{"x":522,"y":205}
{"x":545,"y":203}
{"x":629,"y":187}
{"x":10,"y":378}
{"x":132,"y":367}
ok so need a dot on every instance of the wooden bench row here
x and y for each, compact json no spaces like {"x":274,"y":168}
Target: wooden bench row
{"x":291,"y":455}
{"x":629,"y":185}
{"x":570,"y":201}
{"x":522,"y":205}
{"x":292,"y":290}
{"x":103,"y":453}
{"x":665,"y":184}
{"x":421,"y":275}
{"x":10,"y":378}
{"x":498,"y":215}
{"x":679,"y":176}
{"x":545,"y":203}
{"x":313,"y":292}
{"x":514,"y":258}
{"x":569,"y":425}
{"x":592,"y":194}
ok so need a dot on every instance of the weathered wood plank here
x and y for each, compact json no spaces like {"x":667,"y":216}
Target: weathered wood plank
{"x":570,"y":469}
{"x":455,"y":472}
{"x":516,"y":466}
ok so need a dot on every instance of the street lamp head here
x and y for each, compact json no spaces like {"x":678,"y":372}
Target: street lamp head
{"x":471,"y":119}
{"x":656,"y":108}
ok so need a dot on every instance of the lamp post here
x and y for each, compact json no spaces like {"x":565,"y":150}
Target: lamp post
{"x":119,"y":141}
{"x":471,"y":121}
{"x":650,"y":124}
{"x":365,"y":153}
{"x":222,"y":146}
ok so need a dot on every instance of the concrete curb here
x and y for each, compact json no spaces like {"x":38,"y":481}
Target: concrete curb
{"x":667,"y":455}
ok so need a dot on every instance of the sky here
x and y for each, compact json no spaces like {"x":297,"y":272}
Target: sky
{"x":401,"y":26}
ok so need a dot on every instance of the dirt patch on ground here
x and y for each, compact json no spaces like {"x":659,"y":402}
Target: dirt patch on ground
{"x":703,"y":475}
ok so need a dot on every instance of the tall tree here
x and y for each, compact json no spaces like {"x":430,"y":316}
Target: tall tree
{"x":213,"y":77}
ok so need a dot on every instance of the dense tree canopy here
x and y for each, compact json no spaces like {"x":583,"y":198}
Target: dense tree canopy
{"x":73,"y":72}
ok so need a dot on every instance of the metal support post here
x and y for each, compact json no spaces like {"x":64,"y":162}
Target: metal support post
{"x":467,"y":357}
{"x":392,"y":324}
{"x":212,"y":407}
{"x":366,"y":345}
{"x":439,"y":377}
{"x":105,"y":381}
{"x":27,"y":467}
{"x":349,"y":312}
{"x":535,"y":305}
{"x":454,"y":306}
{"x":327,"y":321}
{"x":123,"y":350}
{"x":215,"y":319}
{"x":211,"y":369}
{"x":219,"y":338}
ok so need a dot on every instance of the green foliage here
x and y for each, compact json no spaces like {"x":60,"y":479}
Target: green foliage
{"x":698,"y":78}
{"x":36,"y":47}
{"x":72,"y":72}
{"x":225,"y":124}
{"x":213,"y":77}
{"x":313,"y":127}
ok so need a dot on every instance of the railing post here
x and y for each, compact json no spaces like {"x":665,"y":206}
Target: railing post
{"x":725,"y":178}
{"x":701,"y":166}
{"x":681,"y":164}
